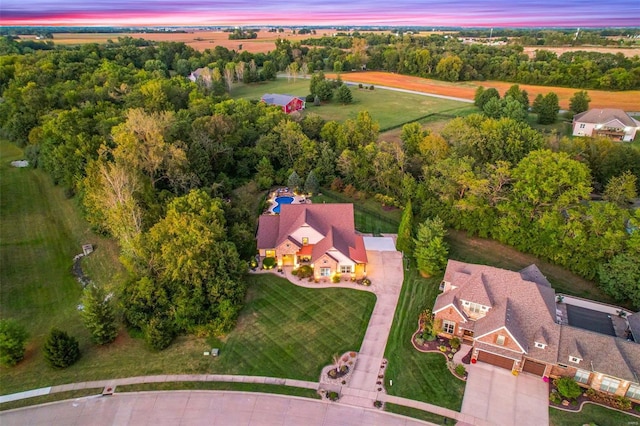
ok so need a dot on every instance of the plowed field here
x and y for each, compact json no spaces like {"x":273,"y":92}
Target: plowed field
{"x":628,"y":100}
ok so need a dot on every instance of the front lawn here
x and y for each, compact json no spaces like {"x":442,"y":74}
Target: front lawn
{"x":417,"y":375}
{"x":290,"y":331}
{"x":591,"y":415}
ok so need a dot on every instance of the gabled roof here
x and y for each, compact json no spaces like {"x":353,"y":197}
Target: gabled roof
{"x":532,"y":273}
{"x":518,"y":304}
{"x":447,"y":299}
{"x":503,"y":316}
{"x":634,"y":326}
{"x":606,"y":115}
{"x":268,"y":229}
{"x":476,"y":291}
{"x":277,"y":99}
{"x":334,"y":221}
{"x":600,"y":352}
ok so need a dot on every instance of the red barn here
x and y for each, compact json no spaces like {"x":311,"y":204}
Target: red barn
{"x":288,"y":103}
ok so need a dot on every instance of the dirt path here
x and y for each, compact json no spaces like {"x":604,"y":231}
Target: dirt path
{"x":627,"y":100}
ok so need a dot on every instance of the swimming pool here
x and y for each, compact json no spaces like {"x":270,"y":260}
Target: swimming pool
{"x":280,"y":201}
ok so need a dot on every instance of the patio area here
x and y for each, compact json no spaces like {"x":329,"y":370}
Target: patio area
{"x":284,"y":196}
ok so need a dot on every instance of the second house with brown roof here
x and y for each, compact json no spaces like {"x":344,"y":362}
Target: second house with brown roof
{"x":512,"y":321}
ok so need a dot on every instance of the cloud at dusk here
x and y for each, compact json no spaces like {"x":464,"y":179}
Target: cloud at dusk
{"x":570,"y":13}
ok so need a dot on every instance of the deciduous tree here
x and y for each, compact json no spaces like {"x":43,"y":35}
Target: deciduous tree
{"x":579,"y":102}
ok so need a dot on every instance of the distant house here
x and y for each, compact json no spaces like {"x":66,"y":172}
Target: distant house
{"x":513,"y":321}
{"x":320,"y":235}
{"x":288,"y":103}
{"x":608,"y":122}
{"x":203,"y":75}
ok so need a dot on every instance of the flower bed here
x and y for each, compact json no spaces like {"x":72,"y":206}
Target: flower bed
{"x":592,"y":396}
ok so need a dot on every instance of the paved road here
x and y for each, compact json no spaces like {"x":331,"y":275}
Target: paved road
{"x":200,"y":408}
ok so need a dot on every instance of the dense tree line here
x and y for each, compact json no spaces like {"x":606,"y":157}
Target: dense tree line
{"x":161,"y":164}
{"x":448,"y":59}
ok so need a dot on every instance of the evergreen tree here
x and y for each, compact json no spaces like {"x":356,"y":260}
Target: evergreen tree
{"x":579,"y":102}
{"x":493,"y":108}
{"x":404,"y":243}
{"x":311,"y":185}
{"x":548,"y":108}
{"x":343,"y":95}
{"x":159,"y":333}
{"x":431,"y":250}
{"x":13,"y":337}
{"x":98,"y":315}
{"x":294,"y":182}
{"x":60,"y":349}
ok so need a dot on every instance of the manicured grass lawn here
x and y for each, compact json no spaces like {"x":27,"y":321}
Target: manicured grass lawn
{"x":389,"y":108}
{"x":228,"y":386}
{"x":417,"y":375}
{"x":290,"y":331}
{"x":417,"y":414}
{"x":59,"y":396}
{"x":593,"y":415}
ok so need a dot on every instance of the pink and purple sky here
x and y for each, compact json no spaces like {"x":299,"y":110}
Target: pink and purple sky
{"x":494,"y":13}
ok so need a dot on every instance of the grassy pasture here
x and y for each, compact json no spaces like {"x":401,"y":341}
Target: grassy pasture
{"x":389,"y":108}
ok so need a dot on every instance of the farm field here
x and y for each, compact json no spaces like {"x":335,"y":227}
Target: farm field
{"x":627,"y":100}
{"x":626,"y":51}
{"x":283,"y":330}
{"x":199,"y":40}
{"x":389,"y":108}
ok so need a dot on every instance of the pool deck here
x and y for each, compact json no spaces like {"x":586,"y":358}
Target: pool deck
{"x":285,"y":192}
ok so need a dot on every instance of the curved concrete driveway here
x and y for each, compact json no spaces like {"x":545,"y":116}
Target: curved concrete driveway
{"x":200,"y":408}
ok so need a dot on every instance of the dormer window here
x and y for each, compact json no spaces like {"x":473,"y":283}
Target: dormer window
{"x":500,"y":340}
{"x":575,"y":359}
{"x":540,"y":345}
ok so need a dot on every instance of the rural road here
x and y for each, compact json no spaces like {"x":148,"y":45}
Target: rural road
{"x":396,"y":89}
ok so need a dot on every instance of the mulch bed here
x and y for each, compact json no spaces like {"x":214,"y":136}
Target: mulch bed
{"x":576,"y":405}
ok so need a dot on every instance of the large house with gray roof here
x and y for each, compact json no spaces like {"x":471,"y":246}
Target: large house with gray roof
{"x":607,"y":122}
{"x":512,"y":321}
{"x":320,"y":235}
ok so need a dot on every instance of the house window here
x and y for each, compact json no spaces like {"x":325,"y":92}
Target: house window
{"x":575,"y":359}
{"x":270,"y":253}
{"x":582,"y":376}
{"x":500,"y":340}
{"x":582,"y":126}
{"x":325,"y":272}
{"x":305,"y":241}
{"x":476,"y":308}
{"x":633,"y":392}
{"x":448,"y":326}
{"x":609,"y":384}
{"x":345,"y":269}
{"x":540,"y":345}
